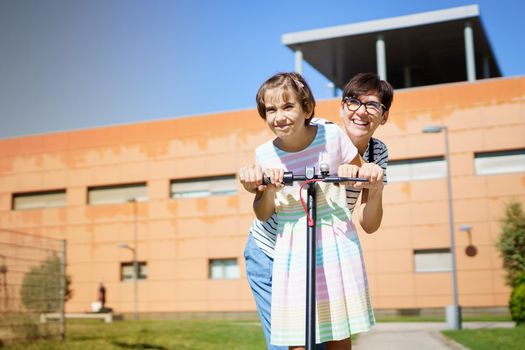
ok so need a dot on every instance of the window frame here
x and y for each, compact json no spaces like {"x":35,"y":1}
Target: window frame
{"x":417,"y":162}
{"x":131,"y":198}
{"x":489,"y":169}
{"x":42,"y":193}
{"x":430,"y":251}
{"x":141,"y":266}
{"x":205,"y":191}
{"x":224,"y":274}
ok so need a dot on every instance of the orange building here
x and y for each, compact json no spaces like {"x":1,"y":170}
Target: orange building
{"x":166,"y":190}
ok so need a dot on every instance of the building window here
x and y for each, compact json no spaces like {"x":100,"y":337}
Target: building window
{"x":417,"y":169}
{"x":489,"y":163}
{"x":432,"y":260}
{"x":126,"y":271}
{"x":204,"y":187}
{"x":224,"y":269}
{"x":38,"y":200}
{"x":117,"y":194}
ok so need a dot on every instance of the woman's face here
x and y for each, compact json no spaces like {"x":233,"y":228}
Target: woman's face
{"x":362,"y":115}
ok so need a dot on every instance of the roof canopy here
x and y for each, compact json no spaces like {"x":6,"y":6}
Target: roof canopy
{"x":420,"y":49}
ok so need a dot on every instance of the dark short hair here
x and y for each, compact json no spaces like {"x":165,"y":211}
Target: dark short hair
{"x":293,"y":82}
{"x":369,"y":83}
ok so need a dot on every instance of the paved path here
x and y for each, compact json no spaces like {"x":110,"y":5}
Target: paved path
{"x":414,"y":335}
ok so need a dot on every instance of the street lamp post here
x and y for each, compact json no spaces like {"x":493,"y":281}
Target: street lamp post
{"x":135,"y":277}
{"x":471,"y":249}
{"x":453,"y":312}
{"x":135,"y":264}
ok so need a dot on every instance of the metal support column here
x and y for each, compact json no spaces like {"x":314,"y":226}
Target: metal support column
{"x":63,"y":287}
{"x":407,"y":76}
{"x":469,"y":52}
{"x":299,"y":61}
{"x":486,"y":67}
{"x":381,"y":57}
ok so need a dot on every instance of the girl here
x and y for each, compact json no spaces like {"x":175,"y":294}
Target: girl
{"x":343,"y":303}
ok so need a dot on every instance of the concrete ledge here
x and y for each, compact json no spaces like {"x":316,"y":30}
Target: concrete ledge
{"x":107,"y":317}
{"x":440,"y":311}
{"x":198,"y":315}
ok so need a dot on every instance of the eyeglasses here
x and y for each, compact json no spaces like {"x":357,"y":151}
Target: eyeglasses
{"x":372,"y":107}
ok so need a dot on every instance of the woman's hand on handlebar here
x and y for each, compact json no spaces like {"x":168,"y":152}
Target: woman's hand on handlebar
{"x":373,"y":173}
{"x":348,"y":170}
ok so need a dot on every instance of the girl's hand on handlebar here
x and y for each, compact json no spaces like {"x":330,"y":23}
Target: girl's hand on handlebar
{"x":251,"y":178}
{"x":276,"y":177}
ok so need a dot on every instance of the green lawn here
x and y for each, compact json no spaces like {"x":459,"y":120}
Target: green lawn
{"x":218,"y":335}
{"x":156,"y":335}
{"x":490,"y":339}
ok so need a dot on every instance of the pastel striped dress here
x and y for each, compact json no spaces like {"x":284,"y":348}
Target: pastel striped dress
{"x":343,"y":299}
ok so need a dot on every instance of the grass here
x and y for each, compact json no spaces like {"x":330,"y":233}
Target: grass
{"x":155,"y":335}
{"x":490,"y":339}
{"x":240,"y":335}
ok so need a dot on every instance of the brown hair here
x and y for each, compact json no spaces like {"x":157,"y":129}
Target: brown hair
{"x":368,"y":83}
{"x":289,"y":81}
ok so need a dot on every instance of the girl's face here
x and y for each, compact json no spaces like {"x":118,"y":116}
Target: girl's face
{"x":284,"y":114}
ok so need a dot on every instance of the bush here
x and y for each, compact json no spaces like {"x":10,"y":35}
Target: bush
{"x":511,"y":243}
{"x":517,"y":304}
{"x":40,"y":290}
{"x":25,"y":328}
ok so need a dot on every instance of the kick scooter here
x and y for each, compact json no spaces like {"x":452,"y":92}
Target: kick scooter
{"x":310,"y":179}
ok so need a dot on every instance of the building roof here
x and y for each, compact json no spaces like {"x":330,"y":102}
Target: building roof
{"x":431,"y":45}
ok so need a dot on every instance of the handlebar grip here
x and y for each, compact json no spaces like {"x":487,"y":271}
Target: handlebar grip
{"x":338,"y":179}
{"x":266,"y":180}
{"x":288,"y":179}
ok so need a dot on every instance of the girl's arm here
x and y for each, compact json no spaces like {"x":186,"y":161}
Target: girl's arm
{"x":264,"y":202}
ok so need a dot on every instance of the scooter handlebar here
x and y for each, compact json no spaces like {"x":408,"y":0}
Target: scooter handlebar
{"x":289,"y":178}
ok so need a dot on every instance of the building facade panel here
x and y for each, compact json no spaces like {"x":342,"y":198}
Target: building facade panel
{"x":181,"y":240}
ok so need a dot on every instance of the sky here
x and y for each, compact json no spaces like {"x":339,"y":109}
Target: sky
{"x":76,"y":64}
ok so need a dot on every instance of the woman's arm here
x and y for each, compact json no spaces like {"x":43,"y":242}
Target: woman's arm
{"x":371,"y":208}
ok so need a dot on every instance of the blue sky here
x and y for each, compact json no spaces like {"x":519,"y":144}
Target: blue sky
{"x":74,"y":64}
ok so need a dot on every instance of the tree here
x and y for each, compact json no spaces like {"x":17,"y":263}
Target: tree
{"x":40,"y":290}
{"x":511,"y":245}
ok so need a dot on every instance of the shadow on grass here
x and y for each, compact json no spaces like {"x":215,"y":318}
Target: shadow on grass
{"x":138,"y":346}
{"x":82,"y":338}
